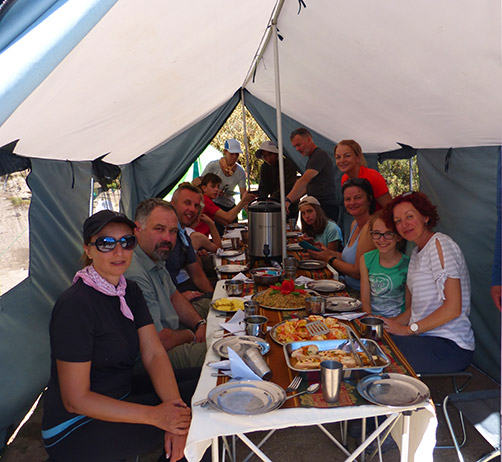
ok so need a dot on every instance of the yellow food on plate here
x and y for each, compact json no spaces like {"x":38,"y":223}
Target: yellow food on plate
{"x":228,"y":304}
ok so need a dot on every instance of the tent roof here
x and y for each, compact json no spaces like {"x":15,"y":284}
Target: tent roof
{"x":427,"y":74}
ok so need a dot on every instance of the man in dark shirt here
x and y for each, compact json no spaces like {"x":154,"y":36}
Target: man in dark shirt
{"x":269,"y":175}
{"x":319,"y":177}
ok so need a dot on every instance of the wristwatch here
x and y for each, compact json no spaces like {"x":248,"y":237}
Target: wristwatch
{"x":331,"y":260}
{"x":414,"y":327}
{"x":199,"y":323}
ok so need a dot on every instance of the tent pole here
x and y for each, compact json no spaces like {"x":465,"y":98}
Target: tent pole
{"x":278,"y":112}
{"x":91,"y":197}
{"x":411,"y":173}
{"x":246,"y":147}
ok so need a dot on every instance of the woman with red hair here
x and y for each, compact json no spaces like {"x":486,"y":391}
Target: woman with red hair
{"x":434,"y":333}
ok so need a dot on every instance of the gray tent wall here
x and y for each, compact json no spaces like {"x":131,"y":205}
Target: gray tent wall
{"x":60,"y":198}
{"x":466,"y":198}
{"x":152,"y":174}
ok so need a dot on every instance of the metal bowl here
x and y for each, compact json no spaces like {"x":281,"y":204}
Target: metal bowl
{"x":266,"y":276}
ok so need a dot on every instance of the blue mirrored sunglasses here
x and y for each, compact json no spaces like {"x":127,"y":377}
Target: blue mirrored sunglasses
{"x":107,"y":243}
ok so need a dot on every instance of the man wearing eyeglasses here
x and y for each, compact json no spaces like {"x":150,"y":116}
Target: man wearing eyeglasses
{"x":319,"y":177}
{"x":182,"y":330}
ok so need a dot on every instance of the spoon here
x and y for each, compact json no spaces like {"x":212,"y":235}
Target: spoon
{"x":311,"y":389}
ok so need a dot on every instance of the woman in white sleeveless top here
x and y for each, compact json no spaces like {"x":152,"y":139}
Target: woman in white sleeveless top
{"x":434,"y":333}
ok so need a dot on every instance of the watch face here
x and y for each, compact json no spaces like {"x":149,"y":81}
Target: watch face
{"x":414,"y":327}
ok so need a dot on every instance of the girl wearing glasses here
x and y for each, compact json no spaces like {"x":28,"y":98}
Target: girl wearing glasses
{"x":434,"y":332}
{"x":383,"y":271}
{"x":93,"y":410}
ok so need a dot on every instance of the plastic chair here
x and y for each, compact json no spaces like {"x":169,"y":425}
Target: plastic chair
{"x":482,"y":409}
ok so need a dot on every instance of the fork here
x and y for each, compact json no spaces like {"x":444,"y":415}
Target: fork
{"x":295,"y":383}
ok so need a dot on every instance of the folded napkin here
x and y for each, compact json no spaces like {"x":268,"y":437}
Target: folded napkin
{"x":240,"y":370}
{"x":226,"y":243}
{"x":221,"y":365}
{"x":232,"y":233}
{"x":235,"y":323}
{"x":300,"y":280}
{"x":346,"y":316}
{"x":242,"y":277}
{"x":241,"y":257}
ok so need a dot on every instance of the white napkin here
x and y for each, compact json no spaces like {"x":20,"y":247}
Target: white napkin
{"x":240,"y":370}
{"x":232,"y":233}
{"x":235,"y":324}
{"x":300,"y":280}
{"x":242,"y":277}
{"x":224,"y":364}
{"x":240,"y":257}
{"x":346,"y":316}
{"x":226,"y":243}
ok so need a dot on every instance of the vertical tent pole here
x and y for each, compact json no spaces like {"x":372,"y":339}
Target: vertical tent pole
{"x":411,"y":173}
{"x":278,"y":112}
{"x":246,"y":147}
{"x":91,"y":197}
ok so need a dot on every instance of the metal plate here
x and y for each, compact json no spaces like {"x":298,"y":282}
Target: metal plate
{"x":293,"y":234}
{"x":326,"y":286}
{"x":240,"y":344}
{"x":236,"y":225}
{"x":395,"y":390}
{"x":247,"y":397}
{"x":232,"y":268}
{"x":294,"y":247}
{"x":311,"y":264}
{"x":324,"y":345}
{"x":230,"y":253}
{"x":275,"y":338}
{"x":233,"y":310}
{"x":340,"y":304}
{"x":311,"y":293}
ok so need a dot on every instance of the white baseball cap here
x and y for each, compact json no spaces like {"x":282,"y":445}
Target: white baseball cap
{"x":233,"y":146}
{"x":268,"y":146}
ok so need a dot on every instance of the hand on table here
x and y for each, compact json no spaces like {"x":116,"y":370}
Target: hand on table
{"x":395,"y":327}
{"x":174,"y":445}
{"x":172,"y":416}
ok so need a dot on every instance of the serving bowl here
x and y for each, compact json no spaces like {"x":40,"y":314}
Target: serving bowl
{"x":266,"y":276}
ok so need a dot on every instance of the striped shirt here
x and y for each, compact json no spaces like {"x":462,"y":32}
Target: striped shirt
{"x":426,"y":279}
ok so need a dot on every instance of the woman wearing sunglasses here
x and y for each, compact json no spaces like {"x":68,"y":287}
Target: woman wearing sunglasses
{"x":93,"y":410}
{"x":360,"y":204}
{"x":383,"y":271}
{"x":434,"y":333}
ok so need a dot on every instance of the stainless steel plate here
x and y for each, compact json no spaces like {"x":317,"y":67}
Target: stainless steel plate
{"x":395,"y":390}
{"x":294,"y":247}
{"x":230,"y":253}
{"x":232,"y":268}
{"x":326,"y":286}
{"x":247,"y":397}
{"x":292,"y":234}
{"x":311,"y":264}
{"x":339,"y":304}
{"x":240,"y":344}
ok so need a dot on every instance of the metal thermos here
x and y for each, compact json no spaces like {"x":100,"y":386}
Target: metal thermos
{"x":264,"y":229}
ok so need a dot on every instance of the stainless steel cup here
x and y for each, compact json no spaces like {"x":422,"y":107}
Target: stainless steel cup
{"x":256,"y":362}
{"x":289,"y":272}
{"x":315,"y":305}
{"x":236,"y":243}
{"x":251,"y":308}
{"x":289,"y":261}
{"x":372,"y":328}
{"x":234,"y":287}
{"x":256,"y":325}
{"x":244,"y":236}
{"x":331,"y":380}
{"x":292,"y":223}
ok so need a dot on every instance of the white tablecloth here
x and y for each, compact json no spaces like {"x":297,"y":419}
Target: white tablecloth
{"x":208,"y":423}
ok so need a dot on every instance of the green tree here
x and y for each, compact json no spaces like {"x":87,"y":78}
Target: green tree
{"x":397,"y":175}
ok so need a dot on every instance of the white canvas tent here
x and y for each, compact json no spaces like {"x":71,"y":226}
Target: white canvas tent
{"x":148,"y":84}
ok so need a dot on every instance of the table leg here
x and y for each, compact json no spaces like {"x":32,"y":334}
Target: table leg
{"x":405,"y":439}
{"x":253,"y":447}
{"x":214,"y":450}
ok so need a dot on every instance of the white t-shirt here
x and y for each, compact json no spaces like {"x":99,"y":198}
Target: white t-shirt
{"x":228,"y":183}
{"x":426,"y":279}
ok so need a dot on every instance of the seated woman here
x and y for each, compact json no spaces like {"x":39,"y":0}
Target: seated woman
{"x":316,"y":226}
{"x":360,"y":203}
{"x":98,"y":327}
{"x":350,"y":160}
{"x":434,"y":333}
{"x":383,"y":271}
{"x":210,"y":185}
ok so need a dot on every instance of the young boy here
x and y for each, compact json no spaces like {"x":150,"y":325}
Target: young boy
{"x":210,"y":185}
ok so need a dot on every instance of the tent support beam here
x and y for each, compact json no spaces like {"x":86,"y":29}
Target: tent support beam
{"x":246,"y":145}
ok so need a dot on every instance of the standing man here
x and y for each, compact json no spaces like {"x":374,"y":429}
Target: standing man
{"x":319,"y":177}
{"x":183,"y":265}
{"x":269,"y":175}
{"x":182,"y":330}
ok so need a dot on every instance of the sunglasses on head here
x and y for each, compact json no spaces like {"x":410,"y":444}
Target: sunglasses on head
{"x":107,"y":243}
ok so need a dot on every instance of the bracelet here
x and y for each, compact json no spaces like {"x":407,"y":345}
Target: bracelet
{"x":199,"y":323}
{"x":288,"y":200}
{"x":331,"y":260}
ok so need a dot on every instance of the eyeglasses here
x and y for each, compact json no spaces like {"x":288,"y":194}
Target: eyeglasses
{"x":107,"y":243}
{"x":387,"y":235}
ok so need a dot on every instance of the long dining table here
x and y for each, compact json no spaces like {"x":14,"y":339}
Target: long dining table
{"x":413,"y":427}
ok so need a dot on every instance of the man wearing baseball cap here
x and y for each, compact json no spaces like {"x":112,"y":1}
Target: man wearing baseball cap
{"x":269,"y":175}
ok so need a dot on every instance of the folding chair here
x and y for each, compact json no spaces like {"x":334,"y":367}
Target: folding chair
{"x":482,"y":409}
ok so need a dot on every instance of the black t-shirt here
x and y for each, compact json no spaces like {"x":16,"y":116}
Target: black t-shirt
{"x":87,"y":325}
{"x":322,"y":186}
